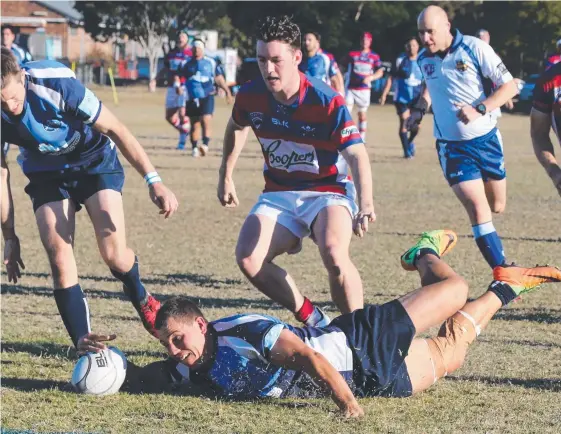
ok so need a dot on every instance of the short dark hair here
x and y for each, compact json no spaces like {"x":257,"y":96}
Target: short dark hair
{"x":411,"y":39}
{"x":177,"y":307}
{"x":316,"y":34}
{"x":281,"y":29}
{"x":10,"y":66}
{"x":11,"y":28}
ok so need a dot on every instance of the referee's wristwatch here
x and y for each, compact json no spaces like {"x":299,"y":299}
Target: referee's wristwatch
{"x":481,"y":109}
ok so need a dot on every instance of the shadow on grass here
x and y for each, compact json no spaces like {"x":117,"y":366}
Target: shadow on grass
{"x":547,"y":316}
{"x":534,"y":239}
{"x":202,"y":280}
{"x":30,"y":384}
{"x":50,"y":349}
{"x":551,"y":384}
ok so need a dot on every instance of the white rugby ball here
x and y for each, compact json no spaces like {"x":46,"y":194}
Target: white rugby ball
{"x":100,"y":373}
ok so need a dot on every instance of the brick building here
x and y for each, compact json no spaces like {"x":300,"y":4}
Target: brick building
{"x":51,"y":29}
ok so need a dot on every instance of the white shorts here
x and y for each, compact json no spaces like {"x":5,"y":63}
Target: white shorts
{"x":173,"y":100}
{"x":360,"y":97}
{"x":297,"y":210}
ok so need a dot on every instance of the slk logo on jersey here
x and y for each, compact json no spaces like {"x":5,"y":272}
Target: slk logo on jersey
{"x":429,"y":69}
{"x":280,"y":123}
{"x":256,"y":119}
{"x":290,"y":156}
{"x":461,"y":66}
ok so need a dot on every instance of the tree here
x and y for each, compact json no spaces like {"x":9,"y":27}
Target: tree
{"x":148,"y":23}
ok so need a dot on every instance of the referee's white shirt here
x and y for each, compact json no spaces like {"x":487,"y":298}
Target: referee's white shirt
{"x":458,"y":79}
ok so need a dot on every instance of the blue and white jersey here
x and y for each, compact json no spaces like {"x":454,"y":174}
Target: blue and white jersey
{"x":242,"y":368}
{"x":408,"y":80}
{"x":319,"y":66}
{"x":200,"y":75}
{"x":20,"y":54}
{"x":459,"y":79}
{"x":54,"y":130}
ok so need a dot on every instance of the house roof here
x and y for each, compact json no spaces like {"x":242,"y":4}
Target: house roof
{"x":64,"y":8}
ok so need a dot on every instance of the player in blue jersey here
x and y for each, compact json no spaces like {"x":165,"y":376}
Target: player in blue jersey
{"x":201,"y":74}
{"x":318,"y":64}
{"x":311,"y":146}
{"x":374,"y":351}
{"x":407,"y":80}
{"x":456,"y":70}
{"x":8,"y":38}
{"x":68,"y":142}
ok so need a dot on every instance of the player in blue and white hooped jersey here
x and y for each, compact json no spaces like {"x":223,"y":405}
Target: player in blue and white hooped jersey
{"x":201,"y":74}
{"x":68,"y":142}
{"x":319,"y":64}
{"x":455,"y":69}
{"x":311,"y":147}
{"x":8,"y":37}
{"x":407,"y":80}
{"x":376,"y":351}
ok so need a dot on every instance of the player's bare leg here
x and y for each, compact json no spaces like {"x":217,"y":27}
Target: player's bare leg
{"x":177,"y":119}
{"x":362,"y":122}
{"x":495,"y":190}
{"x":195,"y":135}
{"x":473,"y":196}
{"x":431,"y":359}
{"x":56,"y":223}
{"x":406,"y":137}
{"x":206,"y":121}
{"x":333,"y":232}
{"x":105,"y":209}
{"x":261,"y":240}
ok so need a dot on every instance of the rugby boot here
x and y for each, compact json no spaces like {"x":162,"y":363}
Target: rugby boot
{"x":439,"y":241}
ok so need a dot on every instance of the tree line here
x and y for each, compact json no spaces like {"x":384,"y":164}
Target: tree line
{"x":521,"y":32}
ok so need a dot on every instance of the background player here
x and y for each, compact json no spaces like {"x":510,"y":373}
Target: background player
{"x":545,"y":115}
{"x":407,"y":79}
{"x":201,"y":73}
{"x":8,"y":38}
{"x":364,"y":67}
{"x":375,"y":351}
{"x":307,"y":137}
{"x":554,"y":58}
{"x":319,"y":64}
{"x":67,"y":141}
{"x":469,"y":145}
{"x":176,"y":96}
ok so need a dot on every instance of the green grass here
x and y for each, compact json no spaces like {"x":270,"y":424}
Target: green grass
{"x":510,"y":383}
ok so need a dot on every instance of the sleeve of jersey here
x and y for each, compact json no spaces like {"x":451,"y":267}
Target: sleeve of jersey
{"x":220,"y":71}
{"x":492,"y":66}
{"x":261,"y":334}
{"x":333,"y":68}
{"x":345,"y":133}
{"x":240,"y":114}
{"x":543,"y":99}
{"x":80,"y":101}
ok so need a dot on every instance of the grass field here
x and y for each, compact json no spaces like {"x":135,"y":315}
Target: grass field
{"x":510,"y":383}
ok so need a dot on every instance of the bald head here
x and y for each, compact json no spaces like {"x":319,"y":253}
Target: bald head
{"x":434,"y":29}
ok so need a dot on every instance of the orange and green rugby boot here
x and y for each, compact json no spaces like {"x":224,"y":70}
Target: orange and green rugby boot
{"x":523,"y":280}
{"x":438,"y":242}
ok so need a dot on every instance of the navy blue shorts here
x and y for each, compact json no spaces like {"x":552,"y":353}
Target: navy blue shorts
{"x":200,"y":106}
{"x":466,"y":160}
{"x":76,"y":183}
{"x":401,"y":107}
{"x":380,"y":337}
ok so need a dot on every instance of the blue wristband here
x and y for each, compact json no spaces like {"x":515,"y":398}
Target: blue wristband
{"x":152,"y":178}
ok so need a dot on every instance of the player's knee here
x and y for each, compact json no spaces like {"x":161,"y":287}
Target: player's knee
{"x":250,"y":264}
{"x":335,"y":259}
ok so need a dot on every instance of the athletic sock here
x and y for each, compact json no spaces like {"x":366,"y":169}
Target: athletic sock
{"x":503,"y":291}
{"x":132,"y":285}
{"x":206,"y":141}
{"x":404,"y":143}
{"x":489,"y":243}
{"x":194,"y":143}
{"x":182,"y":139}
{"x":362,"y":130}
{"x":73,"y":308}
{"x":177,"y":125}
{"x":412,"y":134}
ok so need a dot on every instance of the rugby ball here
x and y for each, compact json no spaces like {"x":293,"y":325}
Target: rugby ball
{"x":100,"y":373}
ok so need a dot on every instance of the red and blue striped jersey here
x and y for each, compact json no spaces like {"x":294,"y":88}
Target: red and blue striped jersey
{"x":174,"y":60}
{"x":361,"y":65}
{"x":302,"y":142}
{"x":547,"y":96}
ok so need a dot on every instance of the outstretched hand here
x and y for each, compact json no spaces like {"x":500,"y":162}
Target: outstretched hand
{"x":93,"y":343}
{"x":12,"y":259}
{"x":364,"y":216}
{"x":164,"y":199}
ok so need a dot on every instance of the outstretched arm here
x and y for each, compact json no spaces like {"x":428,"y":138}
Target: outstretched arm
{"x":221,"y":83}
{"x":12,"y":257}
{"x":234,"y":141}
{"x":109,"y":125}
{"x":291,"y":353}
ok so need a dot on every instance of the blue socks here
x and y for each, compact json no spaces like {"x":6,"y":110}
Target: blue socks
{"x":73,"y":309}
{"x":404,"y":143}
{"x":206,"y":141}
{"x":489,"y":243}
{"x":132,"y":285}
